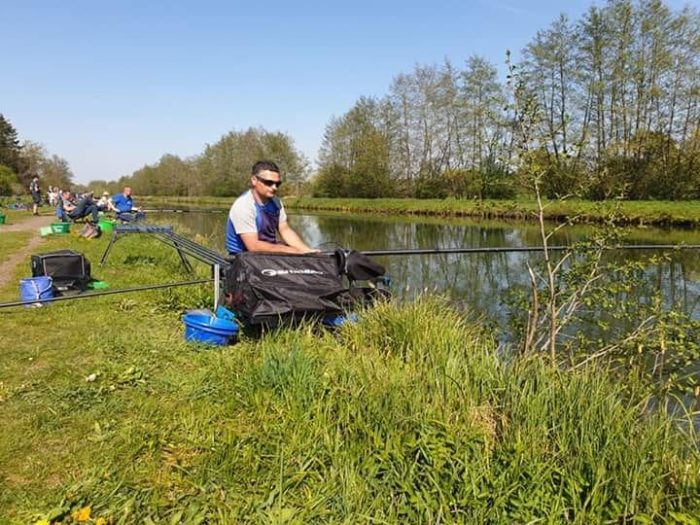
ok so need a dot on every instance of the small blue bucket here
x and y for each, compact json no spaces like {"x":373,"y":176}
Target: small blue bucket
{"x":224,"y":313}
{"x":208,"y":329}
{"x":35,"y":289}
{"x":337,"y":320}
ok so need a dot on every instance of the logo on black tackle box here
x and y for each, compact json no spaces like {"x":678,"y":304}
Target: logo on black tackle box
{"x":269,"y":272}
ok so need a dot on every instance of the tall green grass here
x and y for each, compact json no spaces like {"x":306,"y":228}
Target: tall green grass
{"x":408,"y":416}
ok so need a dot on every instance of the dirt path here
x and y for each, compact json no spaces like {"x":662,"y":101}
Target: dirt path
{"x":32,"y":225}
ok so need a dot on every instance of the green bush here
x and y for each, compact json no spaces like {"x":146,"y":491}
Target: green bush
{"x":8,"y":181}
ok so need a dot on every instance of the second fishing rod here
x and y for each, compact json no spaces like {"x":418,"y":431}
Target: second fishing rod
{"x":510,"y":249}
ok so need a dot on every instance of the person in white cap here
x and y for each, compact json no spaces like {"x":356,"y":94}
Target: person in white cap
{"x":103,"y":202}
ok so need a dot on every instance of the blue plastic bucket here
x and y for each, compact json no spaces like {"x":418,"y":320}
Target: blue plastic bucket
{"x":338,"y":320}
{"x":35,"y":289}
{"x":223,"y":313}
{"x":208,"y":329}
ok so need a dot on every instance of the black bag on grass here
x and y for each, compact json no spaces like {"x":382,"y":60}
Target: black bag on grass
{"x":69,"y":270}
{"x":358,"y":266}
{"x":269,"y":288}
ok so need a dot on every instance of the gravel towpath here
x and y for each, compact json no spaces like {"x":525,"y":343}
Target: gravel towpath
{"x":31,"y":225}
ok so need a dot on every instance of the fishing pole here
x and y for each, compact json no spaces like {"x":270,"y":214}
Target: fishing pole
{"x":182,"y":210}
{"x":108,"y":292}
{"x":417,"y":251}
{"x":504,"y":249}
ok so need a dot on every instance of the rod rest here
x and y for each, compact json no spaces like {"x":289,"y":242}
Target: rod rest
{"x":142,"y":228}
{"x":165,"y":234}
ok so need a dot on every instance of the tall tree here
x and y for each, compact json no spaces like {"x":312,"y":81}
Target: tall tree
{"x":550,"y":65}
{"x":52,"y":169}
{"x":354,"y":157}
{"x":482,"y":101}
{"x":222,"y":169}
{"x":593,"y":47}
{"x":8,"y":181}
{"x":56,"y":171}
{"x":10,"y":148}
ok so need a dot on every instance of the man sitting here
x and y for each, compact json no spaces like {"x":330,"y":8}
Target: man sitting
{"x":68,"y":209}
{"x":123,"y":204}
{"x":257,"y":216}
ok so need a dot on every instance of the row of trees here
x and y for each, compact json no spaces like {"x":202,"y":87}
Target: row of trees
{"x":610,"y":104}
{"x":612,"y":108}
{"x":222,"y":169}
{"x":21,"y":161}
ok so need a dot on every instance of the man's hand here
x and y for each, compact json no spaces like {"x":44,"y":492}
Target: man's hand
{"x":253,"y":244}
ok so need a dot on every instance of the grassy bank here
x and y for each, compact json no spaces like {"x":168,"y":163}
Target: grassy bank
{"x":406,"y":417}
{"x":11,"y":242}
{"x":679,"y":213}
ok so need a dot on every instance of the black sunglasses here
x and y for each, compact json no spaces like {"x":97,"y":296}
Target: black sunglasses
{"x":269,"y":183}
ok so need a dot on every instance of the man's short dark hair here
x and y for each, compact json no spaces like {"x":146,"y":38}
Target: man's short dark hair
{"x":263,"y":165}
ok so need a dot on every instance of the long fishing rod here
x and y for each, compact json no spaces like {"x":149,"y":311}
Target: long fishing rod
{"x":504,"y":249}
{"x":417,"y":251}
{"x":182,"y":210}
{"x":108,"y":292}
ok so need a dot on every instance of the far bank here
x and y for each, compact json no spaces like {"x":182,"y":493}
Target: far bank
{"x":662,"y":213}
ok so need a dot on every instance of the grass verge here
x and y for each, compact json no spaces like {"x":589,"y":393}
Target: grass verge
{"x":408,"y":416}
{"x":11,"y":242}
{"x":19,"y":216}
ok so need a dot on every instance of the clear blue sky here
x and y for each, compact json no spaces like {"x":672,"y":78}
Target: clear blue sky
{"x":111,"y":86}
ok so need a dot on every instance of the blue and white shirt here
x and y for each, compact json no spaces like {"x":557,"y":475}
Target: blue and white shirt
{"x":122,"y":203}
{"x":248,"y":216}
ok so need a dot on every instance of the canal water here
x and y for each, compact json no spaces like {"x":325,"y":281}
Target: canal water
{"x":480,"y":282}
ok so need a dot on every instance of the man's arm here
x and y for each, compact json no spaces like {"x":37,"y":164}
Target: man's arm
{"x":292,"y":239}
{"x":121,"y":204}
{"x":253,"y":244}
